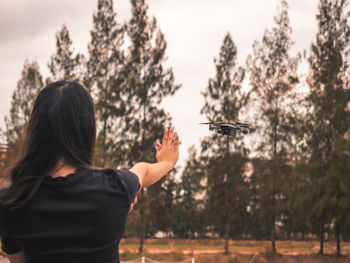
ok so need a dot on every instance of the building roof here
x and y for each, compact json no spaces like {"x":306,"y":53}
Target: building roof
{"x":3,"y":147}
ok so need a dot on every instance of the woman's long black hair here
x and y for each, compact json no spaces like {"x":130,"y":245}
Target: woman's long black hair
{"x":61,"y":126}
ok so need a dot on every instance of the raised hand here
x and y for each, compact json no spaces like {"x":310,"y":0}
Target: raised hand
{"x":169,"y":149}
{"x":167,"y":155}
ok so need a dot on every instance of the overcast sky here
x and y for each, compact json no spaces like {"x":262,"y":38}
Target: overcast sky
{"x":194,"y":30}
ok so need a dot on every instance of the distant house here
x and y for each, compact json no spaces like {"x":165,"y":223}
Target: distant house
{"x":3,"y":150}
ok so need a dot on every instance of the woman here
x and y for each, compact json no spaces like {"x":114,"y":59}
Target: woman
{"x":59,"y":208}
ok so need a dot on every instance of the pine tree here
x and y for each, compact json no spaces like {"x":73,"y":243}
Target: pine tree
{"x":224,"y":99}
{"x":258,"y":223}
{"x":148,"y":83}
{"x":272,"y":78}
{"x":329,"y":99}
{"x":105,"y":80}
{"x":300,"y":194}
{"x":63,"y":64}
{"x":23,"y":99}
{"x":186,"y":211}
{"x":298,"y":189}
{"x":160,"y":205}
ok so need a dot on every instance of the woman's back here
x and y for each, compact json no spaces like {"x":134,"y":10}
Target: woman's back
{"x":77,"y":218}
{"x":80,"y":217}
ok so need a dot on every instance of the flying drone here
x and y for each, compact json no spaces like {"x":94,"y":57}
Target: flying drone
{"x":230,"y":129}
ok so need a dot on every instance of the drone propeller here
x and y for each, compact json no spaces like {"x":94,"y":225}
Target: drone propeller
{"x":214,"y":123}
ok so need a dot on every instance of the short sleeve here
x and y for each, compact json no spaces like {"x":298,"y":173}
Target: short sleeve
{"x":131,"y":182}
{"x":9,"y":246}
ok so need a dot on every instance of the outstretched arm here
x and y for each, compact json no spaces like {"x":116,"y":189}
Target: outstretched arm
{"x":167,"y":155}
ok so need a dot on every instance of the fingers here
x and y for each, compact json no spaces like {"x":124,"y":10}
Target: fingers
{"x":158,"y":145}
{"x":168,"y":136}
{"x":175,"y":141}
{"x":165,"y":136}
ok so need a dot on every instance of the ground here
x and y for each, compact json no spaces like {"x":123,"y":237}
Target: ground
{"x":240,"y":251}
{"x":211,"y":251}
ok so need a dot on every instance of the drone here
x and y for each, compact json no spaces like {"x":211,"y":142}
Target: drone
{"x":230,"y":129}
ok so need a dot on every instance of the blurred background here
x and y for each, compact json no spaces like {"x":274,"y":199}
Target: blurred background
{"x":280,"y":65}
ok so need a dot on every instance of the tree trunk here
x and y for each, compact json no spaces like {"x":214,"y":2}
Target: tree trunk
{"x":337,"y":236}
{"x":273,"y":242}
{"x":321,"y":240}
{"x":337,"y":224}
{"x":142,"y":222}
{"x":227,"y":230}
{"x":142,"y":191}
{"x":104,"y":114}
{"x":227,"y":221}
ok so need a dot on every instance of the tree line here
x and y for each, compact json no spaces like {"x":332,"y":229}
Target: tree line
{"x":292,"y":180}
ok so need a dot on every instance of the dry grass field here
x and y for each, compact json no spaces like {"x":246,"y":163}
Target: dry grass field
{"x":211,"y":251}
{"x":208,"y":251}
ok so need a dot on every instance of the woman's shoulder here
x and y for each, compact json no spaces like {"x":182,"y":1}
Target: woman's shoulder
{"x":116,"y":173}
{"x":123,"y":176}
{"x":112,"y":171}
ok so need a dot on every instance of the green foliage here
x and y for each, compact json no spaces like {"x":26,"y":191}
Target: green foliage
{"x":188,"y":205}
{"x":148,"y":82}
{"x":224,"y":97}
{"x":104,"y":78}
{"x":63,"y":65}
{"x":23,"y":99}
{"x":226,"y":192}
{"x":273,"y":77}
{"x":328,"y":120}
{"x":300,"y":194}
{"x":160,"y":204}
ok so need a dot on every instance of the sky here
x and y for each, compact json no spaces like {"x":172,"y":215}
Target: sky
{"x":193,"y":29}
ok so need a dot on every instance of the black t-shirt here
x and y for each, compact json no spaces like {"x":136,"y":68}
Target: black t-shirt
{"x":77,"y":218}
